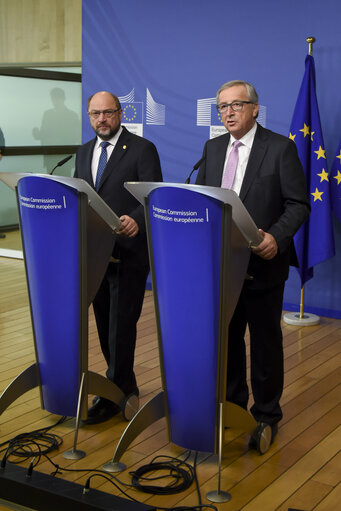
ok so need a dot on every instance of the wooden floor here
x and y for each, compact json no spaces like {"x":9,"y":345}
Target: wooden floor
{"x":301,"y":470}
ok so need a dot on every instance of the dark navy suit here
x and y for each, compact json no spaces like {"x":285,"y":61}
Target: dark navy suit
{"x":119,"y":300}
{"x":275,"y":194}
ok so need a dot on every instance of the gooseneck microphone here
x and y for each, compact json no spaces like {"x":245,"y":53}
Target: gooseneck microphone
{"x":60,"y":163}
{"x":196,"y":166}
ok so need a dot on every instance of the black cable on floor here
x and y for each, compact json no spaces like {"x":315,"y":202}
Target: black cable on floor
{"x":180,"y":472}
{"x":116,"y":482}
{"x":40,"y":442}
{"x":32,"y":444}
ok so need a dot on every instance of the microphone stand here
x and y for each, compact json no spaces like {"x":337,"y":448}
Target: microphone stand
{"x":196,"y":166}
{"x":60,"y":163}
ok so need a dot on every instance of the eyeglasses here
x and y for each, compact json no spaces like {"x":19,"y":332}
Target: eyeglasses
{"x":94,"y":114}
{"x":236,"y":106}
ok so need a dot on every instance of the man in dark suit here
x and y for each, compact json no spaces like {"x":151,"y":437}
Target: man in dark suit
{"x":269,"y":179}
{"x":117,"y":305}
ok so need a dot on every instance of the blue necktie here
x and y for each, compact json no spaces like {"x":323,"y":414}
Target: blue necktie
{"x":101,"y":163}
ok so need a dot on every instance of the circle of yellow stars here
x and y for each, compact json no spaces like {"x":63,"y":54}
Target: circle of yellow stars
{"x":129,"y":113}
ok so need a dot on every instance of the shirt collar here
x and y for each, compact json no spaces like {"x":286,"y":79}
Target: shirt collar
{"x":247,"y":139}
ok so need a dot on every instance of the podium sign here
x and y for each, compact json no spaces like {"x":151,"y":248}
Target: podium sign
{"x":186,"y":240}
{"x":49,"y":214}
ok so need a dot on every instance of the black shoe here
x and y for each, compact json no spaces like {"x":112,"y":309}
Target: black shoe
{"x":134,"y":391}
{"x":253,"y":442}
{"x":101,"y":411}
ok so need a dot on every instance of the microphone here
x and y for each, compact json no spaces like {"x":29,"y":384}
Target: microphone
{"x":60,"y":163}
{"x":196,"y":166}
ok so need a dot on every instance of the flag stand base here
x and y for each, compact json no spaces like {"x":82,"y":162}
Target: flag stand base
{"x":293,"y":318}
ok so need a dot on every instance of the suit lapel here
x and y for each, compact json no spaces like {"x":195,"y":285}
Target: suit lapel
{"x":120,"y":148}
{"x":258,"y":150}
{"x":87,"y":162}
{"x":220,"y":154}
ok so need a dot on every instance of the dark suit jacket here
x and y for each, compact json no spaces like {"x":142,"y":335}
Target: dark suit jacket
{"x":273,"y":191}
{"x":133,"y":159}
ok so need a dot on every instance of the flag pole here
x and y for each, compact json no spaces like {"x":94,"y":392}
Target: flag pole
{"x":310,"y":41}
{"x":292,"y":318}
{"x":302,"y":303}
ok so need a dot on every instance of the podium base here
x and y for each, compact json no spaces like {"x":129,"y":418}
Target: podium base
{"x":114,"y":467}
{"x":218,"y":496}
{"x":293,"y":318}
{"x":151,"y":411}
{"x":74,"y":454}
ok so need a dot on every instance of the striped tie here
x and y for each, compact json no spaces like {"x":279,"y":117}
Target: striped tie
{"x":101,"y":163}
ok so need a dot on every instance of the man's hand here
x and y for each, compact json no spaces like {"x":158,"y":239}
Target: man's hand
{"x":128,"y":227}
{"x":267,"y":249}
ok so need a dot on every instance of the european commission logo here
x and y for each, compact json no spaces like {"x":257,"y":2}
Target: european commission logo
{"x":207,"y":115}
{"x":133,"y":112}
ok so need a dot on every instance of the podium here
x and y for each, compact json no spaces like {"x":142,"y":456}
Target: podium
{"x":200,"y":241}
{"x":68,"y":234}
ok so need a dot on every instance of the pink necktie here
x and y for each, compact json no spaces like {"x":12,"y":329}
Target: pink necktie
{"x":231,"y":166}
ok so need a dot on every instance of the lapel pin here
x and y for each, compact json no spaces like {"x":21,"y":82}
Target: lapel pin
{"x":124,"y":147}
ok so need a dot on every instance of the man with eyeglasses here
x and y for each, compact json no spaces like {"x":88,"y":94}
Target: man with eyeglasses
{"x":106,"y":162}
{"x":269,"y":179}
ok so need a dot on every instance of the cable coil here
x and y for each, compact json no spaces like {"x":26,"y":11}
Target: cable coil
{"x":180,"y":472}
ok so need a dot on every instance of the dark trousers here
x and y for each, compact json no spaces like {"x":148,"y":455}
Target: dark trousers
{"x":117,"y":308}
{"x":261,"y":310}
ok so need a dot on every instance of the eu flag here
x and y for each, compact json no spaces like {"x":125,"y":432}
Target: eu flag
{"x":314,"y":242}
{"x":132,"y":113}
{"x":335,"y":183}
{"x":216,"y":119}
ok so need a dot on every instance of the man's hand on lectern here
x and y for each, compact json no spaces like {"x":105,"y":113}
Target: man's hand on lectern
{"x":267,"y":249}
{"x":128,"y":227}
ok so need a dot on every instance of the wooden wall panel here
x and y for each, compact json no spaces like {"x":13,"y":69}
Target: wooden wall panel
{"x":40,"y":31}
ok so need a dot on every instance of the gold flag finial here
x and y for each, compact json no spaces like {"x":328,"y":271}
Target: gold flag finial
{"x":310,"y":41}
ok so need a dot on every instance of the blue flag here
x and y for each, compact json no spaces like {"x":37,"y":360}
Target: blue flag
{"x":335,"y":183}
{"x":314,"y":242}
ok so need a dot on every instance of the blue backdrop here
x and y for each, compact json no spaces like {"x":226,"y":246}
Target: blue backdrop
{"x":165,"y":60}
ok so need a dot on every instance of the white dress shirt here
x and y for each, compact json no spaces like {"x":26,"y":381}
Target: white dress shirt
{"x":97,"y":151}
{"x":243,"y":156}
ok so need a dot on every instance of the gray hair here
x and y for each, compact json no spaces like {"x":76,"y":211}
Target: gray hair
{"x":250,"y":90}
